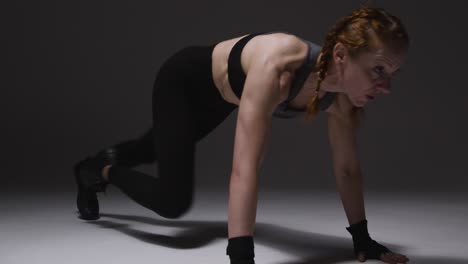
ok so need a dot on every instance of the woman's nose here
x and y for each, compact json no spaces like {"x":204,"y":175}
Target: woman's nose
{"x":384,"y":87}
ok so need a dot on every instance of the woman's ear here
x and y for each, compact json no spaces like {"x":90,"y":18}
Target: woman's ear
{"x":339,"y":53}
{"x":339,"y":59}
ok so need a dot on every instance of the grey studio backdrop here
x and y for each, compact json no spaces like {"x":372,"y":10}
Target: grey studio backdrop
{"x":79,"y":77}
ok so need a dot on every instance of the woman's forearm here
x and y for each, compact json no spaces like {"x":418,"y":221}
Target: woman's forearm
{"x":351,"y":192}
{"x":242,"y":205}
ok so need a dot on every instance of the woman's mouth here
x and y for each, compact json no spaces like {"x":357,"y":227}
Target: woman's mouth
{"x":369,"y":97}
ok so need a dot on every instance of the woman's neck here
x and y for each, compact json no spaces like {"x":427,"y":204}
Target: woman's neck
{"x":329,"y":84}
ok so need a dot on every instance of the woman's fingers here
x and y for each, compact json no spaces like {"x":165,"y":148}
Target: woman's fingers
{"x":362,"y":257}
{"x":385,"y":257}
{"x":391,"y":257}
{"x":399,"y":257}
{"x":388,"y":257}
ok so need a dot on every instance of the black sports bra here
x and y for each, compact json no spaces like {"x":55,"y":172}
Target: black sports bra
{"x":237,"y":77}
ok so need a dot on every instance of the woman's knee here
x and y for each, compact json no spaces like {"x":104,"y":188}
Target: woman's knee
{"x":173,"y":206}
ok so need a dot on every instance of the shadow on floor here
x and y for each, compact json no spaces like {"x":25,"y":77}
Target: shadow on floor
{"x":309,"y":248}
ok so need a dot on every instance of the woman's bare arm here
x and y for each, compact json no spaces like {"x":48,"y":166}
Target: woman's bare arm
{"x":252,"y":130}
{"x":342,"y":138}
{"x":342,"y":135}
{"x":260,"y":97}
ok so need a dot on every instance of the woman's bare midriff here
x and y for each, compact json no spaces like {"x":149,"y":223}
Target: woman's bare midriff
{"x":220,"y":74}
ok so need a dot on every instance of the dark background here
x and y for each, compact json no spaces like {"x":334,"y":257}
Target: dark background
{"x":78,"y":77}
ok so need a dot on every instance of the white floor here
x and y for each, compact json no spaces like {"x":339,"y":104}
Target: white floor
{"x":292,"y":228}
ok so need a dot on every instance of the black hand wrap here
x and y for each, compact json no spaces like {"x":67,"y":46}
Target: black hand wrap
{"x":364,"y":243}
{"x":241,"y":250}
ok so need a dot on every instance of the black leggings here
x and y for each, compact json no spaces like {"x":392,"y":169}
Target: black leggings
{"x":186,"y":107}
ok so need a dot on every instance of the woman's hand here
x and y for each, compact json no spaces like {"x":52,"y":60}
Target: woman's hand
{"x":367,"y":248}
{"x":375,"y":250}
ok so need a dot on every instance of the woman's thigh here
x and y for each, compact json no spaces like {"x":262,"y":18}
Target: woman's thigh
{"x":184,"y":91}
{"x":173,"y":130}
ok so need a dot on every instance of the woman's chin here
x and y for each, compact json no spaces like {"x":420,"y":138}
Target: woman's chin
{"x":358,"y":102}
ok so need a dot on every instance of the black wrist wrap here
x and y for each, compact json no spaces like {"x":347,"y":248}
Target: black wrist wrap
{"x":363,"y":242}
{"x":241,"y":250}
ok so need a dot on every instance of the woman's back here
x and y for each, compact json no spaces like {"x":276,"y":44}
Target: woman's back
{"x":250,"y":51}
{"x":232,"y":59}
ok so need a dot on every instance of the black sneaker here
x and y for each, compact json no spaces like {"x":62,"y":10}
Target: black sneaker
{"x":89,"y":180}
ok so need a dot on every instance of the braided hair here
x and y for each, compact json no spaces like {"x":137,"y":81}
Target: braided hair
{"x":359,"y":32}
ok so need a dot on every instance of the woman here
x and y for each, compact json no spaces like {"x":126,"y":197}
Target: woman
{"x":265,"y":75}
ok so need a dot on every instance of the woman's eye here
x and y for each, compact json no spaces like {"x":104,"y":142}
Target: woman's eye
{"x":379,"y":70}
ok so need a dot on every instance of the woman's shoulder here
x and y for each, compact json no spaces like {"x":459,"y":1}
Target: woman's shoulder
{"x":283,"y":40}
{"x":281,"y":48}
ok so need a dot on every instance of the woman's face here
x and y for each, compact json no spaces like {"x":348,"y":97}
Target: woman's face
{"x":370,"y":75}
